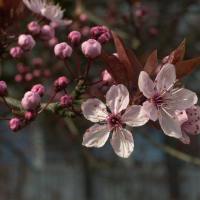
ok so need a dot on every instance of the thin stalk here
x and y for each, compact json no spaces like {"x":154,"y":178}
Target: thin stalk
{"x":88,"y":69}
{"x":77,"y":61}
{"x":70,"y":70}
{"x":4,"y":118}
{"x":95,"y":82}
{"x":6,"y":103}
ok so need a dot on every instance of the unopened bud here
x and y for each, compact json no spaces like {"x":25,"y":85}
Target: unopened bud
{"x":107,"y":79}
{"x":75,"y":38}
{"x":63,"y":51}
{"x":31,"y":101}
{"x":61,"y":83}
{"x":30,"y":116}
{"x":37,"y":62}
{"x":97,"y":31}
{"x":37,"y":73}
{"x":15,"y":124}
{"x":16,"y":52}
{"x":3,"y":88}
{"x":104,"y":38}
{"x":26,"y":42}
{"x":33,"y":28}
{"x":66,"y":101}
{"x":28,"y":76}
{"x":164,"y":60}
{"x":116,"y":55}
{"x":40,"y":89}
{"x":91,"y":49}
{"x":46,"y":32}
{"x":153,"y":31}
{"x":18,"y":78}
{"x":83,"y":17}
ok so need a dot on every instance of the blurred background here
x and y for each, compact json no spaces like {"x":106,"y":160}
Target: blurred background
{"x":46,"y":161}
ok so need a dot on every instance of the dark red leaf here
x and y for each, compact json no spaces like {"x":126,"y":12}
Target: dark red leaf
{"x":116,"y":69}
{"x":178,"y":54}
{"x":185,"y":67}
{"x":155,"y":124}
{"x":151,"y":64}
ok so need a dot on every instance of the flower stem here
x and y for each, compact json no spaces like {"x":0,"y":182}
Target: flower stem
{"x":70,"y":70}
{"x":88,"y":69}
{"x":137,"y":98}
{"x":4,"y":118}
{"x":7,"y":103}
{"x":77,"y":61}
{"x":48,"y":103}
{"x":95,"y":82}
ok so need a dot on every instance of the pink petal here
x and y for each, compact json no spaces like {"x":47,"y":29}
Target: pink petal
{"x":146,"y":85}
{"x":94,"y":110}
{"x":182,"y":99}
{"x":96,"y":136}
{"x":134,"y":116}
{"x":169,"y":123}
{"x":117,"y":98}
{"x":182,"y":116}
{"x":150,"y":110}
{"x":185,"y":139}
{"x":165,"y":77}
{"x":193,"y":113}
{"x":192,"y":127}
{"x":122,"y":143}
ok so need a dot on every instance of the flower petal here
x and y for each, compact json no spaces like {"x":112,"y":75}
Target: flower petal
{"x":193,"y":113}
{"x":169,"y":123}
{"x":94,"y":110}
{"x":150,"y":110}
{"x":185,"y":139}
{"x":96,"y":136}
{"x":182,"y":99}
{"x":182,"y":116}
{"x":146,"y":85}
{"x":192,"y":127}
{"x":166,"y":77}
{"x":134,"y":116}
{"x":122,"y":143}
{"x":117,"y":98}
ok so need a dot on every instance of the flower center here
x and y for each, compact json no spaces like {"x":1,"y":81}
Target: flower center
{"x":114,"y":121}
{"x":159,"y":100}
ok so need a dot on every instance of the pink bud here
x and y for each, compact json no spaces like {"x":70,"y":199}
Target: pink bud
{"x":61,"y":83}
{"x":3,"y":88}
{"x":97,"y":31}
{"x":66,"y":101}
{"x":75,"y":38}
{"x":91,"y":49}
{"x":18,"y":78}
{"x":26,"y":42}
{"x":63,"y":51}
{"x":16,"y":52}
{"x":85,"y":31}
{"x":107,"y":79}
{"x":53,"y":41}
{"x":28,"y":76}
{"x":31,"y":101}
{"x":15,"y":124}
{"x":37,"y":62}
{"x":139,"y":13}
{"x":54,"y":25}
{"x":164,"y":60}
{"x":33,"y":28}
{"x":46,"y":32}
{"x":47,"y":73}
{"x":21,"y":68}
{"x":40,"y":89}
{"x":116,"y":55}
{"x":104,"y":38}
{"x":37,"y":73}
{"x":30,"y":116}
{"x":83,"y":18}
{"x":153,"y":31}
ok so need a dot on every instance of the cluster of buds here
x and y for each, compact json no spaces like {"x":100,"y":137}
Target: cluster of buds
{"x":101,"y":34}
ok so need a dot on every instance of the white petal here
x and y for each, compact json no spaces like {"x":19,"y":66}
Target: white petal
{"x":169,"y":123}
{"x":94,"y":110}
{"x":134,"y":116}
{"x":122,"y":143}
{"x":182,"y":99}
{"x":150,"y":110}
{"x":146,"y":85}
{"x":166,"y":77}
{"x":117,"y":98}
{"x":185,"y":139}
{"x":96,"y":136}
{"x":182,"y":116}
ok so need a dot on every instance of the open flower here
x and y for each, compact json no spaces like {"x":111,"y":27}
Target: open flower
{"x":163,"y":99}
{"x":50,"y":11}
{"x":117,"y":99}
{"x":190,"y":123}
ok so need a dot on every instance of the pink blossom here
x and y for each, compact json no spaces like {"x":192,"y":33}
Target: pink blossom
{"x":190,"y":123}
{"x":163,"y":99}
{"x":117,"y":99}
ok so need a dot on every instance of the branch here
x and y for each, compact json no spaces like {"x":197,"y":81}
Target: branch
{"x":171,"y":151}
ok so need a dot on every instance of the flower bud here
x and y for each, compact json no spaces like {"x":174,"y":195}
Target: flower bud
{"x":40,"y":89}
{"x":107,"y":79}
{"x":53,"y":41}
{"x":116,"y":55}
{"x":16,"y":52}
{"x":3,"y":88}
{"x":104,"y":38}
{"x":63,"y":51}
{"x":83,"y":17}
{"x":26,"y":42}
{"x":37,"y":62}
{"x":31,"y":101}
{"x":33,"y":28}
{"x":91,"y":49}
{"x":37,"y":73}
{"x":97,"y":31}
{"x":15,"y":124}
{"x":153,"y":31}
{"x":75,"y":38}
{"x":85,"y":31}
{"x":61,"y":83}
{"x":47,"y":73}
{"x":28,"y":76}
{"x":46,"y":32}
{"x":18,"y":78}
{"x":30,"y":116}
{"x":164,"y":60}
{"x":66,"y":101}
